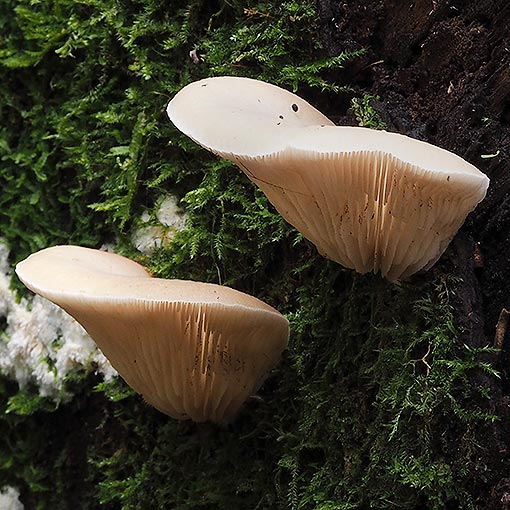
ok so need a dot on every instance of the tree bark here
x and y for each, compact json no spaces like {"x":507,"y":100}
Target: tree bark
{"x":441,"y":72}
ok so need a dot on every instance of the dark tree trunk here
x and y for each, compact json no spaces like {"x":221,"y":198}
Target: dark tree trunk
{"x":441,"y":71}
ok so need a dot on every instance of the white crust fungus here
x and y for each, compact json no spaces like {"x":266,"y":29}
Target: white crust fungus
{"x":41,"y":344}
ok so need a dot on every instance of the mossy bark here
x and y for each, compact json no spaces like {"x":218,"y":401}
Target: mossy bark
{"x":389,"y":396}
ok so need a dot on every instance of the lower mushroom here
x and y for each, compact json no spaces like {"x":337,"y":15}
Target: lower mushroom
{"x":192,"y":350}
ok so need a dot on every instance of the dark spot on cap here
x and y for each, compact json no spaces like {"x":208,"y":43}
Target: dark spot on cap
{"x":295,"y":107}
{"x":205,"y":85}
{"x":278,"y":123}
{"x":280,"y":116}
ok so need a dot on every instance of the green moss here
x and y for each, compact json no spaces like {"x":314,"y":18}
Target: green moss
{"x":373,"y":405}
{"x":82,"y":97}
{"x":365,"y":113}
{"x":27,"y":402}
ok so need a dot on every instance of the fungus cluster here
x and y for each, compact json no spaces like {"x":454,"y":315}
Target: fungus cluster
{"x":369,"y":200}
{"x":193,"y":350}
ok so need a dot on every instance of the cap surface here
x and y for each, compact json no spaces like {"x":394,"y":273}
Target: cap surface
{"x":369,"y":200}
{"x":193,"y":350}
{"x":233,"y":116}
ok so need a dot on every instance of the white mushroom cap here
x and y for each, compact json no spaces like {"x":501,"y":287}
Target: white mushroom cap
{"x":370,"y":200}
{"x":239,"y":116}
{"x":193,"y":350}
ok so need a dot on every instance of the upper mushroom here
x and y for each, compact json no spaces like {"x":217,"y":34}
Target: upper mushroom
{"x":370,"y":200}
{"x":193,"y":350}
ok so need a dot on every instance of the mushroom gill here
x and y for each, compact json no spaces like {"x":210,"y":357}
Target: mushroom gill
{"x":193,"y":350}
{"x":369,"y":200}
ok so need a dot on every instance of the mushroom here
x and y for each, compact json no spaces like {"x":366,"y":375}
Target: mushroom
{"x":369,"y":200}
{"x":193,"y":350}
